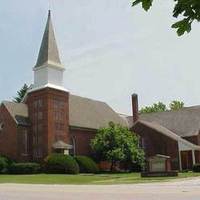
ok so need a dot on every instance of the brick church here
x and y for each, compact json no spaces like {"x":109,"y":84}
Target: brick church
{"x":51,"y":119}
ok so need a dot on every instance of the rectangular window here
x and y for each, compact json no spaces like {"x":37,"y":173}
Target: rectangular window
{"x":37,"y":152}
{"x":25,"y":142}
{"x":40,"y":116}
{"x":38,"y":103}
{"x":143,"y":143}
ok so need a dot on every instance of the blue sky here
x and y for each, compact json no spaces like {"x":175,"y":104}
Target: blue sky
{"x":109,"y":49}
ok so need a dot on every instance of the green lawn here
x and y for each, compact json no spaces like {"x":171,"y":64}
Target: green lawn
{"x":119,"y":178}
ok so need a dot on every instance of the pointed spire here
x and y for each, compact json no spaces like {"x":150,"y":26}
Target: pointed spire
{"x":48,"y":53}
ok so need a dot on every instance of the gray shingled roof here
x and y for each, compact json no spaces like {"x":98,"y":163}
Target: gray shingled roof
{"x":184,"y":122}
{"x":166,"y":132}
{"x":19,"y":112}
{"x":48,"y":51}
{"x":83,"y":113}
{"x":87,"y":113}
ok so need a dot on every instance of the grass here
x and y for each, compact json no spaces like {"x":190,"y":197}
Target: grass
{"x":118,"y":178}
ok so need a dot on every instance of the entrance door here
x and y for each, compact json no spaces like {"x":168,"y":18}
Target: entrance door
{"x":186,"y":159}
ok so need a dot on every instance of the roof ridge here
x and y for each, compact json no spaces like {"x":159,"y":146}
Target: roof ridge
{"x":89,"y":98}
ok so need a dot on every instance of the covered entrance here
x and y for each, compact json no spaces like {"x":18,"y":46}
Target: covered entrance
{"x":62,"y":147}
{"x":188,"y":154}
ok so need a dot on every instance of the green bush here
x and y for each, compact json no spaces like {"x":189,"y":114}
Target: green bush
{"x":8,"y":159}
{"x":3,"y":164}
{"x":60,"y":164}
{"x":86,"y":164}
{"x":196,"y":167}
{"x":24,"y":168}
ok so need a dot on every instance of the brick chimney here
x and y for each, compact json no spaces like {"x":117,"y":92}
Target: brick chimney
{"x":135,"y":107}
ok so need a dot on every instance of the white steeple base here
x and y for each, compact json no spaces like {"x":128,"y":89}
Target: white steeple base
{"x":48,"y":74}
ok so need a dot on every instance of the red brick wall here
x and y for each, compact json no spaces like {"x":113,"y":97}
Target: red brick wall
{"x":82,"y":140}
{"x":11,"y":141}
{"x":157,"y":143}
{"x":197,"y":156}
{"x":54,"y":123}
{"x":8,"y":136}
{"x":192,"y":139}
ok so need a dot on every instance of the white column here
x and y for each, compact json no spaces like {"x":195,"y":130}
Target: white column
{"x":193,"y":157}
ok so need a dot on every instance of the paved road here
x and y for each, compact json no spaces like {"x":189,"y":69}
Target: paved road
{"x":179,"y":190}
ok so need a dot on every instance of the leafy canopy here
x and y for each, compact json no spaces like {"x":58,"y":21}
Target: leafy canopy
{"x":21,"y":93}
{"x":156,"y":107}
{"x":188,"y":10}
{"x":176,"y":105}
{"x":160,"y":107}
{"x":116,"y":143}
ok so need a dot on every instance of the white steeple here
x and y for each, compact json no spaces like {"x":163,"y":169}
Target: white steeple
{"x":48,"y":71}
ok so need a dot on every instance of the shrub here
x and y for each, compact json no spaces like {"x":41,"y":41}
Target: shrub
{"x":3,"y":164}
{"x":24,"y":168}
{"x":196,"y":167}
{"x":61,"y":164}
{"x":86,"y":164}
{"x":8,"y":159}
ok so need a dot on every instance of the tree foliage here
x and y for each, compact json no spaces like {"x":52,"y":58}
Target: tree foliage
{"x":176,"y":105}
{"x":21,"y":93}
{"x":188,"y":10}
{"x":116,"y":143}
{"x":160,"y":107}
{"x":156,"y":107}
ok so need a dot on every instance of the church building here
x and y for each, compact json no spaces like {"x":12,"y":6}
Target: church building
{"x":51,"y":119}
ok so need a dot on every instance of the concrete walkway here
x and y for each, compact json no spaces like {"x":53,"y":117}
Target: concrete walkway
{"x":177,"y":190}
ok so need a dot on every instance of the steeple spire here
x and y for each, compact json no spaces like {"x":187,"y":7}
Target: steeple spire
{"x":48,"y":71}
{"x":48,"y":54}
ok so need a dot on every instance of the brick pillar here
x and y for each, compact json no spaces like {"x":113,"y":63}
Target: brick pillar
{"x":135,"y":107}
{"x":49,"y":115}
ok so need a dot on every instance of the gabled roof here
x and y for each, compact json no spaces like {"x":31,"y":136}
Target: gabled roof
{"x":18,"y":111}
{"x":48,"y":53}
{"x":166,"y":132}
{"x":88,"y":113}
{"x":184,"y":122}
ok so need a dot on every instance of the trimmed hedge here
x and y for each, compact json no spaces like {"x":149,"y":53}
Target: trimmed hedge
{"x":60,"y":164}
{"x":86,"y":164}
{"x":24,"y":168}
{"x":196,"y":167}
{"x":3,"y":164}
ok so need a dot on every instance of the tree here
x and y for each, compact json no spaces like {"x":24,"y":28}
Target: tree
{"x":161,"y":107}
{"x":116,"y":143}
{"x":176,"y":105}
{"x":156,"y":107}
{"x":21,"y":93}
{"x":189,"y":10}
